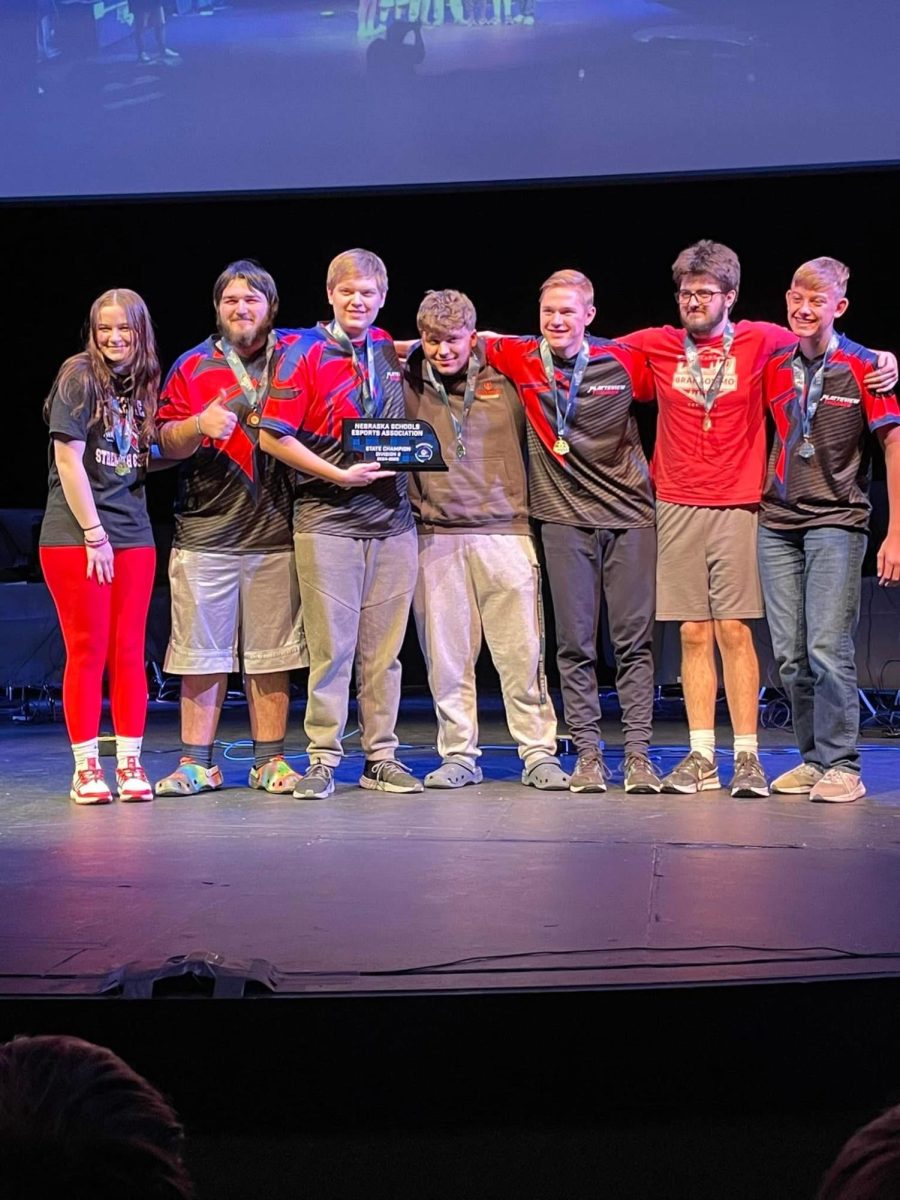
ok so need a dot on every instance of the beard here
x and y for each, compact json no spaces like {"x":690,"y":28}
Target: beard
{"x":245,"y":340}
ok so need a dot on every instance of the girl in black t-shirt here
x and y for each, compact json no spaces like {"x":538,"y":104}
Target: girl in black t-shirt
{"x":96,"y":546}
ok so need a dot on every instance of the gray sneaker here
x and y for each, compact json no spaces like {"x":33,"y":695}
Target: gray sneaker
{"x":388,"y":775}
{"x":641,"y":775}
{"x":589,"y":774}
{"x":749,"y":779}
{"x":453,"y":773}
{"x":838,"y":787}
{"x":695,"y":773}
{"x":547,"y":776}
{"x":316,"y":784}
{"x":798,"y":780}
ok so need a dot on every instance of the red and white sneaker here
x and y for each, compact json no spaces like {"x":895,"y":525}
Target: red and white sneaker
{"x":132,"y":782}
{"x":89,"y":786}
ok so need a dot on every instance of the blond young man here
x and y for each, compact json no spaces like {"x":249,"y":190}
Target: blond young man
{"x":478,"y":570}
{"x":356,"y":552}
{"x":590,"y":491}
{"x":813,"y":525}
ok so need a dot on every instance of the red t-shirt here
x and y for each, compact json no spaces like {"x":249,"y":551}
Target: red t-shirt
{"x":725,"y":465}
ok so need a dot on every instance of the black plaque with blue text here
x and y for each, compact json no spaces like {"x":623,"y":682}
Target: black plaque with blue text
{"x":396,"y":443}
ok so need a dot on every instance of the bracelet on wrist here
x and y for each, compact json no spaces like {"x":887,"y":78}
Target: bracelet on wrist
{"x":99,"y":542}
{"x":88,"y":528}
{"x":199,"y":430}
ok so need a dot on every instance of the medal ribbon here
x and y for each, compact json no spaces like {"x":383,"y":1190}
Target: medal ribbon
{"x":434,"y":378}
{"x":693,"y":361}
{"x":808,"y":388}
{"x":368,"y":379}
{"x":253,"y":395}
{"x":563,"y":418}
{"x":121,"y":425}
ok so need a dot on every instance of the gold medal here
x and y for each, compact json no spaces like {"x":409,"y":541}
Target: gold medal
{"x":122,"y":467}
{"x":253,"y":417}
{"x":560,"y":446}
{"x":460,"y":450}
{"x":707,"y":423}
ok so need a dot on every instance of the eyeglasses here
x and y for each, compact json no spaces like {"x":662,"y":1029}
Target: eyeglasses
{"x":703,"y":296}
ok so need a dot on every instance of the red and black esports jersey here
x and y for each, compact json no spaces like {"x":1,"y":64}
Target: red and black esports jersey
{"x":327,"y":388}
{"x":231,"y":496}
{"x":832,"y":487}
{"x":603,"y":482}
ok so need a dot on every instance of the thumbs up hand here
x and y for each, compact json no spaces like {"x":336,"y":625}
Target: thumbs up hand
{"x":216,"y":421}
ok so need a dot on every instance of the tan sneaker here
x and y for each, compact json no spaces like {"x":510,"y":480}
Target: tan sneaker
{"x":838,"y":787}
{"x":798,"y":780}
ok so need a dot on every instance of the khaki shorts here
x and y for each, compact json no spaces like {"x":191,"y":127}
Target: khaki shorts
{"x":234,"y":612}
{"x":706,"y":564}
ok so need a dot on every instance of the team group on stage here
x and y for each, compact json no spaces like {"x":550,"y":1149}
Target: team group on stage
{"x":288,"y":553}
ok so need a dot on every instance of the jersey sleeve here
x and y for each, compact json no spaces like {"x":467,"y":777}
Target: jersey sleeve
{"x":175,"y":398}
{"x":881,"y":409}
{"x":290,"y":394}
{"x":506,"y":354}
{"x":772,"y":379}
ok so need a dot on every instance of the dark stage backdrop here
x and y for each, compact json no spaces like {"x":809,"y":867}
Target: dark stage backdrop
{"x":496,"y":243}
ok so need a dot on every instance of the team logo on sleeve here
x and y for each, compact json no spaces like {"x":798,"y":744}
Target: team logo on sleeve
{"x":710,"y":361}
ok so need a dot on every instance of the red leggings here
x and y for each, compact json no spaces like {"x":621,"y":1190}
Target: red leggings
{"x":103,"y":625}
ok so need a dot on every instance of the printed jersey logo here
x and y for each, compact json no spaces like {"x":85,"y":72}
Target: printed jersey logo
{"x":710,"y":361}
{"x":605,"y":389}
{"x":487,"y":391}
{"x":393,"y":376}
{"x":840,"y":401}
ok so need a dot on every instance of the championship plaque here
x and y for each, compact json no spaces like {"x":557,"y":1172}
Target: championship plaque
{"x":398,"y":444}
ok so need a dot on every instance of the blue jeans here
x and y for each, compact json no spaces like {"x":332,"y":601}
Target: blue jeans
{"x":811,"y":584}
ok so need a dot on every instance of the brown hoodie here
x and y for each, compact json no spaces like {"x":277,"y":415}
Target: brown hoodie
{"x":487,"y":490}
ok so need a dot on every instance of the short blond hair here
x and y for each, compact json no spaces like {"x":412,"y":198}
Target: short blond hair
{"x":822,"y":273}
{"x":569,"y":278}
{"x":363,"y":263}
{"x":445,"y":312}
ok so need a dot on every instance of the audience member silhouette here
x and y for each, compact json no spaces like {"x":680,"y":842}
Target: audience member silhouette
{"x":76,"y":1121}
{"x":868,"y":1165}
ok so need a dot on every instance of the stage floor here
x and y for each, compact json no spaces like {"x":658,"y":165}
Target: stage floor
{"x":488,"y":887}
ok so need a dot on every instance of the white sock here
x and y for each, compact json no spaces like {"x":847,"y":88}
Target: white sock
{"x":127,"y":748}
{"x":745,"y":741}
{"x":83,"y":751}
{"x":704,"y":742}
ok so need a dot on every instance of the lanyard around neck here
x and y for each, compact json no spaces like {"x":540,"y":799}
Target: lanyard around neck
{"x":368,"y":379}
{"x":459,"y":427}
{"x":692,"y":355}
{"x":564,"y":416}
{"x":808,"y":388}
{"x":255,"y":396}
